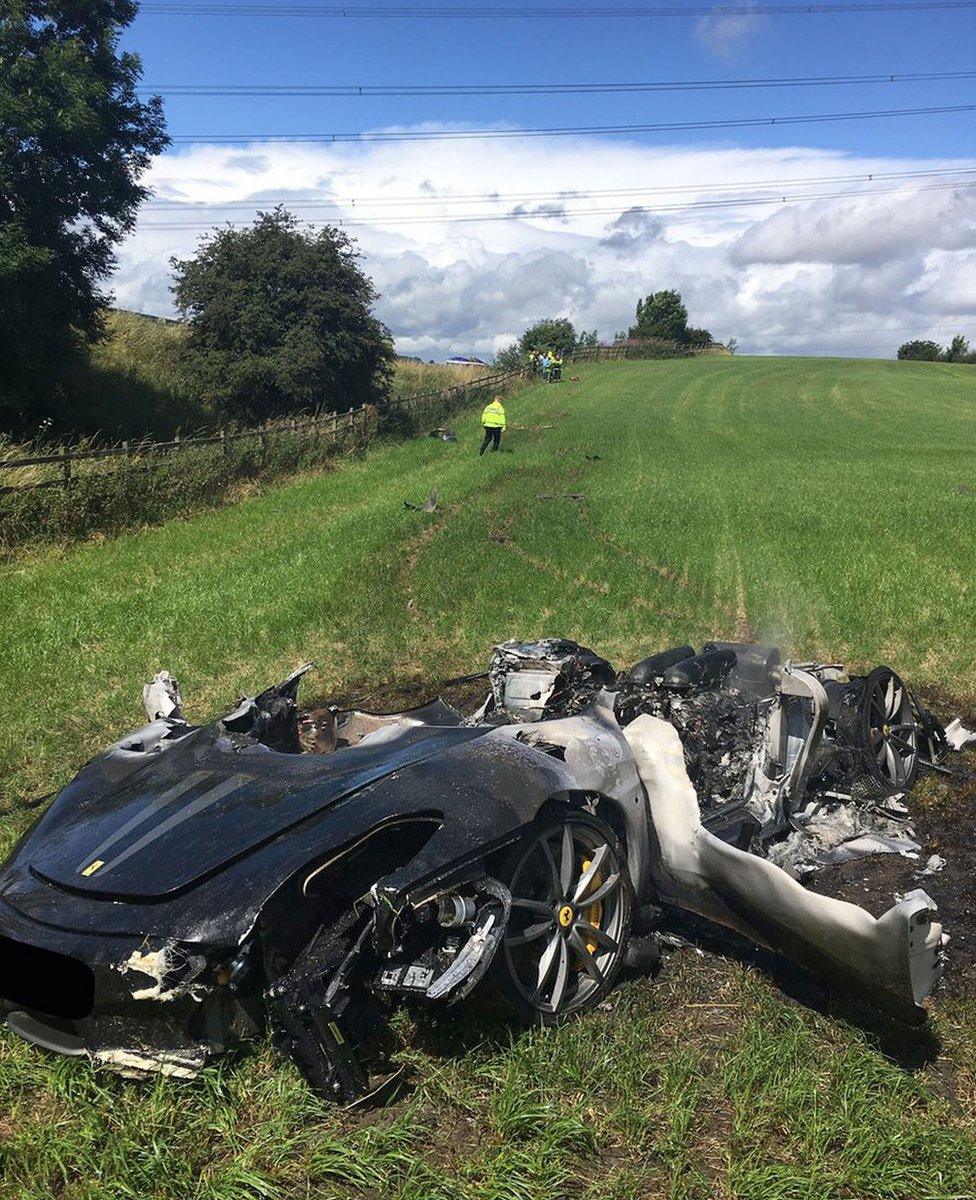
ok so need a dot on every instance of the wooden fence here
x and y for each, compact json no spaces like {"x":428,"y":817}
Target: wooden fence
{"x":344,"y":427}
{"x":648,"y":348}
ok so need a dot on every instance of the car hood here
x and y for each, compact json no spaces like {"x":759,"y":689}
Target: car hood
{"x":202,"y":804}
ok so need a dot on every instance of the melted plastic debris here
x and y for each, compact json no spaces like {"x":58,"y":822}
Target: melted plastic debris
{"x":161,"y":697}
{"x":173,"y":973}
{"x":141,"y":1064}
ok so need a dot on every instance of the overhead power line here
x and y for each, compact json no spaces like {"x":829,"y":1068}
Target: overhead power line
{"x":412,"y":135}
{"x":207,"y":8}
{"x":566,"y":194}
{"x":559,"y":212}
{"x":544,"y":89}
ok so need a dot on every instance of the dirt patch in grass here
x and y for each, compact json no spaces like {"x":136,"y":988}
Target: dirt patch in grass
{"x":944,"y":816}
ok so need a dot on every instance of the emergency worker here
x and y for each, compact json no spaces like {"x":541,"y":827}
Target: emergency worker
{"x":493,"y":421}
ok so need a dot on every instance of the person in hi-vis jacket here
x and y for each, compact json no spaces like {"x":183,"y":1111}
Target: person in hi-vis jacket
{"x":493,"y":421}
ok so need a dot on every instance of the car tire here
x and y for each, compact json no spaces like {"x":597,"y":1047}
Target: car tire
{"x":570,"y":923}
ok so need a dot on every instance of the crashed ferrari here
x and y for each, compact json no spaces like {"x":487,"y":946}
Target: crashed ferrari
{"x":194,"y":884}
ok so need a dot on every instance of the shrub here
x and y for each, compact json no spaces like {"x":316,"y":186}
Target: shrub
{"x":920,"y":351}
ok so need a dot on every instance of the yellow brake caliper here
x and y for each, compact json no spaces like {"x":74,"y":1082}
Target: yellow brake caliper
{"x":593,"y":913}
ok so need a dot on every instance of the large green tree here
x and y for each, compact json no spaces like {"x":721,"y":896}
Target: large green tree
{"x":280,"y":320}
{"x":555,"y":333}
{"x":661,"y":315}
{"x":74,"y":141}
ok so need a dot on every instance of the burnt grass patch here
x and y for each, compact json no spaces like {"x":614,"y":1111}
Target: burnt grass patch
{"x":943,"y":812}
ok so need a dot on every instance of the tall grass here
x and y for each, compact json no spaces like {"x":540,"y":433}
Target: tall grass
{"x":411,"y":378}
{"x":147,"y":488}
{"x":133,"y":384}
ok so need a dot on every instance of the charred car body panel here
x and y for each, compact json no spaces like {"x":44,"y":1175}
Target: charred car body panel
{"x":190,"y":882}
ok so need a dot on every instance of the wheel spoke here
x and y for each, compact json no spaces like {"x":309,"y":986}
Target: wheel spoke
{"x":562,"y":974}
{"x":547,"y":962}
{"x":596,"y":863}
{"x":896,"y":704}
{"x":532,"y":934}
{"x":534,"y":906}
{"x":590,"y":964}
{"x":889,"y":698}
{"x":590,"y":933}
{"x":607,"y":888}
{"x":553,"y":870}
{"x":893,"y":764}
{"x":567,"y":862}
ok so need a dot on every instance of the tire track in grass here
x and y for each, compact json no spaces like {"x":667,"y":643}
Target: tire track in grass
{"x":683,"y":582}
{"x":743,"y":628}
{"x":415,"y":548}
{"x":545,"y":567}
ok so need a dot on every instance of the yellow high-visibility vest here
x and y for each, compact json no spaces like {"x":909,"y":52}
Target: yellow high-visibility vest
{"x":494,"y":415}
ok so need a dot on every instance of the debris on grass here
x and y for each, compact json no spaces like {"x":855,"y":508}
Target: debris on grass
{"x":428,"y":506}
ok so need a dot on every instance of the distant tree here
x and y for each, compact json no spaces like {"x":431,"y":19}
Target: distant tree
{"x":557,"y":333}
{"x":587,"y":340}
{"x":280,"y":320}
{"x":958,"y":351}
{"x":732,"y":345}
{"x":920,"y":351}
{"x":697,"y":337}
{"x":509,"y":358}
{"x":661,"y":315}
{"x":74,"y":141}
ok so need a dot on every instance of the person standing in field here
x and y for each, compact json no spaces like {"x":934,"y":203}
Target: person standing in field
{"x":493,"y":422}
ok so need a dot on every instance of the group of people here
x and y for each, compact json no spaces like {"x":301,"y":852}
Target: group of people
{"x":548,"y":364}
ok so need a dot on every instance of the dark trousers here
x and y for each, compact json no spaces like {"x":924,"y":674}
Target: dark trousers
{"x":493,"y":436}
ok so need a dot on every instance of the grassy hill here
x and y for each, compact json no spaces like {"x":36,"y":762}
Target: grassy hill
{"x":132,"y":384}
{"x":825,"y":504}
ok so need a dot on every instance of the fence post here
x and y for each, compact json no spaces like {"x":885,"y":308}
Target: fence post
{"x":223,"y":442}
{"x":65,"y":467}
{"x":125,"y":447}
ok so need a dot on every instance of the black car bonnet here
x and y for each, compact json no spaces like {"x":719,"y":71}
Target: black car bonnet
{"x":202,"y":804}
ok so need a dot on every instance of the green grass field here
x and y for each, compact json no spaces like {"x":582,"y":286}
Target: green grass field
{"x":828,"y":505}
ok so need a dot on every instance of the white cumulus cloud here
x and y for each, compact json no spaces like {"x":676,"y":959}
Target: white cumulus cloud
{"x":858,"y":273}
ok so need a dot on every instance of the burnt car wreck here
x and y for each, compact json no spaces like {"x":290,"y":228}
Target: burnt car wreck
{"x":194,"y":883}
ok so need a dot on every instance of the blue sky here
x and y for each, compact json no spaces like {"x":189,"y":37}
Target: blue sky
{"x":191,"y":50}
{"x":302,"y":50}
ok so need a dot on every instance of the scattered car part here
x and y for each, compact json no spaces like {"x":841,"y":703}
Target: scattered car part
{"x":161,"y":697}
{"x":428,"y":506}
